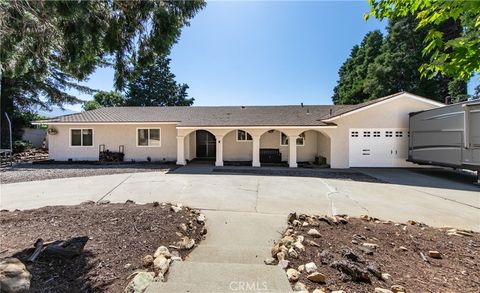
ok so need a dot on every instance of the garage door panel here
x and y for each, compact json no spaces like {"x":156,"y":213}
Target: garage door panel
{"x":370,"y":147}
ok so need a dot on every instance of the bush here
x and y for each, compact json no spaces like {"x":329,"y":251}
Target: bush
{"x":21,"y":146}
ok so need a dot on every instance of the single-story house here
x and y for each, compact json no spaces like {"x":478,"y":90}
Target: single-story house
{"x":371,"y":134}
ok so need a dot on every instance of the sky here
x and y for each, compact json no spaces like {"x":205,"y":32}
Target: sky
{"x":263,"y":52}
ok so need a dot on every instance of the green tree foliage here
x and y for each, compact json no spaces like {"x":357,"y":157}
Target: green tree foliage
{"x":459,"y":56}
{"x":104,"y":99}
{"x":49,"y":45}
{"x":393,"y":66}
{"x":155,"y":85}
{"x":350,"y":87}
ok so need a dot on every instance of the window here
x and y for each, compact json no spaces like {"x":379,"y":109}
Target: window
{"x":148,"y":137}
{"x":388,"y":133}
{"x":300,"y":139}
{"x":242,"y":135}
{"x":376,"y":134}
{"x":354,"y":134}
{"x":366,"y":134}
{"x":398,"y":133}
{"x":81,"y":137}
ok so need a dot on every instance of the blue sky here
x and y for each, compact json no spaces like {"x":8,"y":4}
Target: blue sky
{"x":263,"y":52}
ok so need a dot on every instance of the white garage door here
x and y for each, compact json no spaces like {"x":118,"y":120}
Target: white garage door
{"x":378,"y":147}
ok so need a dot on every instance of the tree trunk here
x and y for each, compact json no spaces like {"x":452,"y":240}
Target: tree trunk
{"x":6,"y":106}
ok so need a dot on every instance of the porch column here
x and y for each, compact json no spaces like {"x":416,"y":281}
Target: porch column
{"x":219,"y":154}
{"x":292,"y":151}
{"x":256,"y":151}
{"x":181,"y":150}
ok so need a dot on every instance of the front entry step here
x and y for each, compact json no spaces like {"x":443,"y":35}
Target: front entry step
{"x":222,"y":277}
{"x":230,"y":254}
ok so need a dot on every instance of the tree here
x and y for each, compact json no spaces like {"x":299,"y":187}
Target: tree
{"x":393,"y":66}
{"x":458,"y":57}
{"x":155,"y":85}
{"x":353,"y":72}
{"x":53,"y":44}
{"x":104,"y":99}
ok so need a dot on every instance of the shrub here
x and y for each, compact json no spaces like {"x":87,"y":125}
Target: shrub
{"x":21,"y":146}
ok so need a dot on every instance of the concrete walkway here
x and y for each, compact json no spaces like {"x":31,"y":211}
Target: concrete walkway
{"x":448,"y":204}
{"x":231,"y":257}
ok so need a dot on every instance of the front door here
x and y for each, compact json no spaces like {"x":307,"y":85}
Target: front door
{"x":206,"y":145}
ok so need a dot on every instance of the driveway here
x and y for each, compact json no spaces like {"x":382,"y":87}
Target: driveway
{"x":434,"y":200}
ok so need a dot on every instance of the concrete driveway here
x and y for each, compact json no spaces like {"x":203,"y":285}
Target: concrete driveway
{"x":437,"y":201}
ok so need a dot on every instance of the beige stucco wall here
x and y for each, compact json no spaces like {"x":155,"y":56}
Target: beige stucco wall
{"x":234,"y":150}
{"x":112,"y":136}
{"x":391,"y":114}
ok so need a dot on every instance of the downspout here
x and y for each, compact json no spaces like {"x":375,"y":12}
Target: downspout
{"x":466,"y":126}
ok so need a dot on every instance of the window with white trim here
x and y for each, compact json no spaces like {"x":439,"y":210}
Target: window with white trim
{"x":242,"y":135}
{"x":148,"y":137}
{"x":81,"y":137}
{"x":284,"y":139}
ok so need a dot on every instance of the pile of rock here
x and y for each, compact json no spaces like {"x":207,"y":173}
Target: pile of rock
{"x":351,"y":265}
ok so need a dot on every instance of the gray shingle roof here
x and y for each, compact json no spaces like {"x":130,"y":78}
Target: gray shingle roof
{"x":307,"y":115}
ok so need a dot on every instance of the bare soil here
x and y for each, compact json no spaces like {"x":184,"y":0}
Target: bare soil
{"x":398,"y":254}
{"x":120,"y":235}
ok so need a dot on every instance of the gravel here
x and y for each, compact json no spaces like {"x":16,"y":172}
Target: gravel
{"x":33,"y":172}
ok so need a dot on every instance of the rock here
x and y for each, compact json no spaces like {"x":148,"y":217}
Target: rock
{"x":175,"y":209}
{"x":155,"y":204}
{"x":326,"y":257}
{"x":354,"y":241}
{"x":183,"y":227}
{"x":366,"y":250}
{"x":313,"y":222}
{"x":434,"y":254}
{"x":292,"y":217}
{"x":370,"y":245}
{"x":403,"y":248}
{"x":310,"y":267}
{"x":411,"y":222}
{"x":275,"y":249}
{"x":176,"y":258}
{"x":301,"y":268}
{"x":304,"y":224}
{"x":147,"y":260}
{"x":296,"y":223}
{"x":103,"y":201}
{"x":129,"y":201}
{"x":338,"y":291}
{"x":349,"y":254}
{"x":161,"y":264}
{"x":162,"y":250}
{"x":386,"y":276}
{"x":314,"y":233}
{"x":381,"y":290}
{"x":300,"y":287}
{"x":283,"y":263}
{"x":365,"y":217}
{"x":14,"y":276}
{"x":313,"y":243}
{"x":398,"y":289}
{"x":292,"y":253}
{"x":299,"y":246}
{"x":375,"y":270}
{"x":293,"y":275}
{"x":203,"y":231}
{"x":201,"y":219}
{"x":351,"y":270}
{"x":281,"y":255}
{"x":300,"y":239}
{"x":127,"y":265}
{"x":319,"y":291}
{"x":269,"y":261}
{"x":140,"y":282}
{"x":316,"y":277}
{"x":287,"y":240}
{"x":186,"y":243}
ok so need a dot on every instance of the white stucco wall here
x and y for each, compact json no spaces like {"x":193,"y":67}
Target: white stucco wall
{"x":392,"y":114}
{"x":113,"y":135}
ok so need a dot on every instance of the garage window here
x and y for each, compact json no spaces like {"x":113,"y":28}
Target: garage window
{"x":388,"y":133}
{"x":148,"y":137}
{"x":398,"y":134}
{"x":366,"y":134}
{"x":354,"y":134}
{"x":376,"y":134}
{"x":81,"y":137}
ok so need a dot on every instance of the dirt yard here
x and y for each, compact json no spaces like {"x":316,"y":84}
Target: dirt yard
{"x":24,"y":172}
{"x":120,"y":236}
{"x":360,"y":255}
